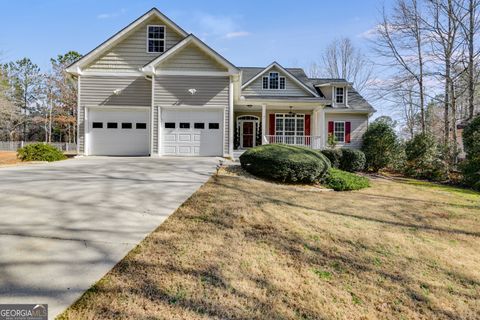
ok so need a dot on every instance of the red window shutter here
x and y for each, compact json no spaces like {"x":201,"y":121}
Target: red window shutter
{"x":307,"y":124}
{"x":348,"y":128}
{"x":330,"y":127}
{"x":271,"y":129}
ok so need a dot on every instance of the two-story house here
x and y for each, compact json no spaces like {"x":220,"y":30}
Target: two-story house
{"x":153,"y":89}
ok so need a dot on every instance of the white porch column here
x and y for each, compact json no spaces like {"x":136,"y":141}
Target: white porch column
{"x":264,"y":124}
{"x":230,"y":118}
{"x":321,"y":128}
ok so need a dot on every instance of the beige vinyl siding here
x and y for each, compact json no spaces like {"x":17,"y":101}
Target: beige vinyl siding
{"x":211,"y":92}
{"x":155,"y":129}
{"x":81,"y":122}
{"x":191,"y":58}
{"x":98,"y":91}
{"x":131,"y":53}
{"x":359,"y":124}
{"x":291,"y":88}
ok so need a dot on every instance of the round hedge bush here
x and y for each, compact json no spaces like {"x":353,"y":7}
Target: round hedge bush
{"x":352,"y":160}
{"x":40,"y":152}
{"x":285,"y":163}
{"x":334,"y":155}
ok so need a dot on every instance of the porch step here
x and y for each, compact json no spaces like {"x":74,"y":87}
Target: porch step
{"x":237,"y":154}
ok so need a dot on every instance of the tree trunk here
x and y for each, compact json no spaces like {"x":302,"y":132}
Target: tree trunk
{"x":471,"y":77}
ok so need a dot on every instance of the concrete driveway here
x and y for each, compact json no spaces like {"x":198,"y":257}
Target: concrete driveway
{"x":64,"y":225}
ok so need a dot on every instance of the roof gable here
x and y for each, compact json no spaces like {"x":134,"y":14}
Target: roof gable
{"x":190,"y":57}
{"x":277,"y":67}
{"x":193,"y":43}
{"x":105,"y":48}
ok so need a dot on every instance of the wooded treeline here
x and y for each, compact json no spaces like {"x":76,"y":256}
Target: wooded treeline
{"x":424,"y":65}
{"x":37,"y":106}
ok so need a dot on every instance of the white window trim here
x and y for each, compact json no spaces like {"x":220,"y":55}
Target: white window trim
{"x":286,"y":115}
{"x":164,"y":38}
{"x":268,"y":81}
{"x":337,"y":95}
{"x":344,"y":130}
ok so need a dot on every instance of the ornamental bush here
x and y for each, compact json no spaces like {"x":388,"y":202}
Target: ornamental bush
{"x":379,"y":145}
{"x":471,"y":166}
{"x":352,"y":160}
{"x":424,"y":159}
{"x":339,"y":180}
{"x":334,"y":155}
{"x":285,"y":163}
{"x":40,"y":152}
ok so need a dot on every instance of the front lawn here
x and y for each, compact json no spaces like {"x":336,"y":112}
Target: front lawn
{"x":243,"y":248}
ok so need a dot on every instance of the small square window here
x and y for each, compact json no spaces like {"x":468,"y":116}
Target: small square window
{"x":97,"y":125}
{"x":169,"y":125}
{"x":199,"y":125}
{"x":126,"y":125}
{"x":112,"y":125}
{"x":214,"y":125}
{"x":141,"y":125}
{"x":184,"y":125}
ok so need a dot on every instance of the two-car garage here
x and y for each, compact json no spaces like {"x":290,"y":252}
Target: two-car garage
{"x":127,"y":132}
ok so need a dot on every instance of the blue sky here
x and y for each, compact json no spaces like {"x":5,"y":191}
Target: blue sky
{"x":246,"y":32}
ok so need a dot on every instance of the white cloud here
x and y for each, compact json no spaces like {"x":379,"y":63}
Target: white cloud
{"x":226,"y":27}
{"x":111,"y":14}
{"x":237,"y":34}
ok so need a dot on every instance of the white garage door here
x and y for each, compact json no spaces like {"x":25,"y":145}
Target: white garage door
{"x":192,"y":133}
{"x":119,"y":132}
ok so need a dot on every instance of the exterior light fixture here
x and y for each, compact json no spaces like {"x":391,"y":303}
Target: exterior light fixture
{"x":117,"y":91}
{"x":192,"y":91}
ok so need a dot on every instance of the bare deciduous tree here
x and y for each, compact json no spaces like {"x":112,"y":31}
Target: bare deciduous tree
{"x":341,"y":59}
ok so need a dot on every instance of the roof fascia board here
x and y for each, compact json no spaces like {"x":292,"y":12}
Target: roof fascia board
{"x":151,"y":66}
{"x":75,"y":68}
{"x":291,"y":76}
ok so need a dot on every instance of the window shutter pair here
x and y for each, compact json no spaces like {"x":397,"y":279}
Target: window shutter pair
{"x":348,"y":129}
{"x":271,"y":129}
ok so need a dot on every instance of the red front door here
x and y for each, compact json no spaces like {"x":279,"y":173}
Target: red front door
{"x":248,"y":135}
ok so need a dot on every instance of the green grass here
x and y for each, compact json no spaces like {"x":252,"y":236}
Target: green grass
{"x":339,"y":180}
{"x":467,"y":193}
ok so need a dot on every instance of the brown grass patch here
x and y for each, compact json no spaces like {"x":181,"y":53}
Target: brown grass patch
{"x":242,"y":249}
{"x":8,"y":158}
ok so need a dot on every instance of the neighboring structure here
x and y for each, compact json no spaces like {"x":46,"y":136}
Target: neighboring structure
{"x":152,"y":89}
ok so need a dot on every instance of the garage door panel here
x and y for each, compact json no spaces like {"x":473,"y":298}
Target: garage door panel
{"x":132,"y":140}
{"x":192,"y":141}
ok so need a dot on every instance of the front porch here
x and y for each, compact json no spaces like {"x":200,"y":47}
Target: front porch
{"x":262,"y":124}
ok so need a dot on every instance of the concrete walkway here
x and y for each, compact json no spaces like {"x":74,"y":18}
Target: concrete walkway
{"x":64,"y":225}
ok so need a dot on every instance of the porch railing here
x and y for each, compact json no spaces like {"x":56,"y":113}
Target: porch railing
{"x":313,"y":142}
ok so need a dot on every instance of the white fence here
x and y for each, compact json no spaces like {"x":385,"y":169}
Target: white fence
{"x":15,"y":145}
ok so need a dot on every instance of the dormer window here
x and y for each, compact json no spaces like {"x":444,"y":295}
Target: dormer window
{"x":339,"y":95}
{"x":273,"y":82}
{"x":155,"y":39}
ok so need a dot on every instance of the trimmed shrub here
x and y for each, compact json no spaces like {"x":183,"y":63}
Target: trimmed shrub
{"x":334,"y":155}
{"x":339,"y":180}
{"x":424,"y":159}
{"x":40,"y":152}
{"x":352,"y":160}
{"x":285,"y":163}
{"x":471,"y":166}
{"x":379,"y":145}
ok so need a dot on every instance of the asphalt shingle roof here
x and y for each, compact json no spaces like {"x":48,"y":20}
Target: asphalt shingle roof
{"x":355,"y":99}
